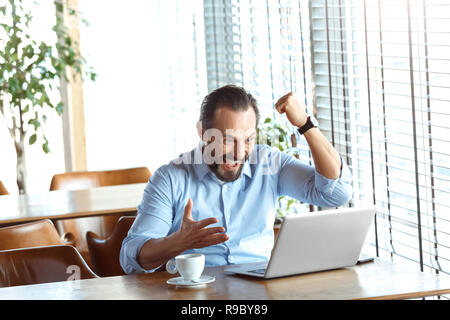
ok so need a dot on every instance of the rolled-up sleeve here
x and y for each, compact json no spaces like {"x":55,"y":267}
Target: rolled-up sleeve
{"x":153,"y":220}
{"x":304,"y":183}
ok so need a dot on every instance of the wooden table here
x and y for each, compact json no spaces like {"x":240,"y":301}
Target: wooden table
{"x":375,"y":280}
{"x":63,"y":204}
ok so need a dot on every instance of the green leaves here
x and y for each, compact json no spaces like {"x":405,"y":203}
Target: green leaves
{"x":45,"y":146}
{"x":92,"y":76}
{"x":31,"y":69}
{"x":68,"y":41}
{"x":35,"y":122}
{"x":28,"y":51}
{"x":59,"y":108}
{"x":59,"y":6}
{"x":275,"y":133}
{"x":32,"y":139}
{"x":286,"y":205}
{"x":14,"y":85}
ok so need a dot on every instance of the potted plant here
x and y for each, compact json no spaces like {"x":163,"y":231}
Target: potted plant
{"x":30,"y":72}
{"x":275,"y":133}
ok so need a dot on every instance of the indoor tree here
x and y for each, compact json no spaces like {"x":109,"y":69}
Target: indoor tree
{"x":31,"y":72}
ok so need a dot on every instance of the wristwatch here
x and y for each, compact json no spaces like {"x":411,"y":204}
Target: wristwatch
{"x":311,"y":122}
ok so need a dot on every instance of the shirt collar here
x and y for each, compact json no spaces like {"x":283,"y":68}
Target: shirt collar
{"x":246,"y":169}
{"x":202,"y":169}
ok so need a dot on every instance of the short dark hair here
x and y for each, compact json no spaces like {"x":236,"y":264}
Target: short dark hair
{"x":231,"y":96}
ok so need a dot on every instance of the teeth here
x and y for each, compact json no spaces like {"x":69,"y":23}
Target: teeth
{"x":231,"y":164}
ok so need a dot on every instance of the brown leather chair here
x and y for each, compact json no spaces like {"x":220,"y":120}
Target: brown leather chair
{"x":90,"y":179}
{"x":3,"y":191}
{"x":73,"y":231}
{"x":105,"y":252}
{"x":41,"y":265}
{"x":33,"y":234}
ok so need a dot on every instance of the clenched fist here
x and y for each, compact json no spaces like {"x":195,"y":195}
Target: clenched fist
{"x":294,"y":110}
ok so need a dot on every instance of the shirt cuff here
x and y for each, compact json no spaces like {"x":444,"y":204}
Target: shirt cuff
{"x":129,"y":255}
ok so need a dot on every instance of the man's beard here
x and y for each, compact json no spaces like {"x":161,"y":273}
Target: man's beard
{"x":228,"y":175}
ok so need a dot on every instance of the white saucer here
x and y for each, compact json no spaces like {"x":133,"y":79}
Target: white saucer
{"x":179,"y":281}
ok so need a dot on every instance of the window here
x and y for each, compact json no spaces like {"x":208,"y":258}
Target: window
{"x":150,"y":61}
{"x":382,"y":70}
{"x":376,"y":75}
{"x":260,"y":45}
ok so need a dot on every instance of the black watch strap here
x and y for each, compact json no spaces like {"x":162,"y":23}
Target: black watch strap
{"x":308,"y":125}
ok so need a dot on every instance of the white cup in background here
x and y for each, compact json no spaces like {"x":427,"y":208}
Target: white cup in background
{"x":189,"y":266}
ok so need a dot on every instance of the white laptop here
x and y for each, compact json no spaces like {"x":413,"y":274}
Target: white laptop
{"x":315,"y":241}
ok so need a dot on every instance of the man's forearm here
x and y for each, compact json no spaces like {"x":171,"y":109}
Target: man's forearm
{"x":156,"y":252}
{"x":326,"y":159}
{"x":191,"y":235}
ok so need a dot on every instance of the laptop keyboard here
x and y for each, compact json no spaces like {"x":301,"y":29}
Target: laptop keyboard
{"x":258,"y":271}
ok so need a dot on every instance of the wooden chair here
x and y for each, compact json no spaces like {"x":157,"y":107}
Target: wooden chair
{"x":33,"y":234}
{"x":105,"y":253}
{"x":91,"y":179}
{"x":73,"y":231}
{"x":41,"y":265}
{"x":3,"y":190}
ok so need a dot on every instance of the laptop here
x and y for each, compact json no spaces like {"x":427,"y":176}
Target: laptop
{"x":312,"y":242}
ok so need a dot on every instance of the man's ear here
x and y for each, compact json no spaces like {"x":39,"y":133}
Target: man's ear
{"x":200,"y":130}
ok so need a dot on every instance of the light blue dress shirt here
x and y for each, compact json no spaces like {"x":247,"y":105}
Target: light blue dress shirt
{"x":245,"y":207}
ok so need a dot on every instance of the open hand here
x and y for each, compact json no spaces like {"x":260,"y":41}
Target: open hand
{"x":194,"y":234}
{"x":295,"y":111}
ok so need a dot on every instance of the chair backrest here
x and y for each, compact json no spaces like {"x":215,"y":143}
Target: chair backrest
{"x":90,"y":179}
{"x":41,"y":265}
{"x":105,"y":253}
{"x":3,"y":191}
{"x":74,"y":230}
{"x":33,"y":234}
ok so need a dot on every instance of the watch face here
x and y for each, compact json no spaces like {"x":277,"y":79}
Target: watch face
{"x":314,"y":121}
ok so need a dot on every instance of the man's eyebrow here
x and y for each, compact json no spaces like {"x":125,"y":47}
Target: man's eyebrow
{"x":234,"y":137}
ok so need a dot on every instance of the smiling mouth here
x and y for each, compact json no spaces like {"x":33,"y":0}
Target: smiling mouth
{"x":231,"y":166}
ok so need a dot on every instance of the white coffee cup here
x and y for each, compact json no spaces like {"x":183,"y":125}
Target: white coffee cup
{"x":189,"y":266}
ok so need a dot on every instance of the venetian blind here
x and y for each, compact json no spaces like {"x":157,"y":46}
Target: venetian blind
{"x":382,"y":71}
{"x":263,"y":46}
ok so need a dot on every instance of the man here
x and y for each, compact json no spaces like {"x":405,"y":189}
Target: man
{"x":220,"y":198}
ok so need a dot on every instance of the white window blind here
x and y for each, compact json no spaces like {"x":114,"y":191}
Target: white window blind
{"x":376,"y":75}
{"x":382,"y":71}
{"x":263,"y":46}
